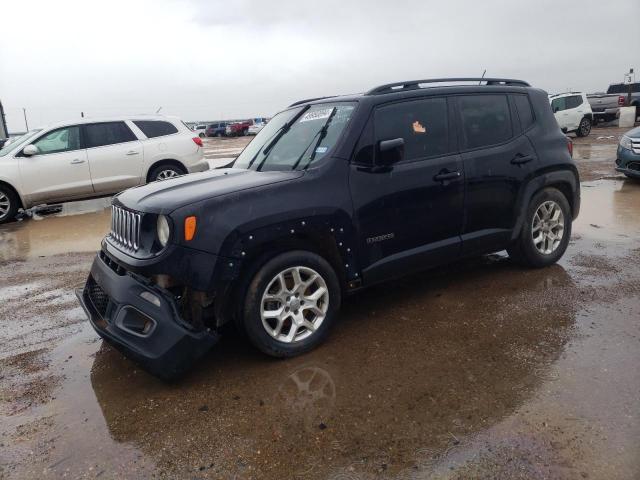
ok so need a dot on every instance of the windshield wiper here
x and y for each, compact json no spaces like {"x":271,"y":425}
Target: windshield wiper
{"x":275,"y":138}
{"x":323,"y":133}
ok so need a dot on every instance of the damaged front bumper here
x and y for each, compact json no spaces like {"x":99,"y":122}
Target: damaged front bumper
{"x":141,"y":320}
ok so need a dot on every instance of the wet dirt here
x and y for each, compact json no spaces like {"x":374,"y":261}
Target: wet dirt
{"x":477,"y":370}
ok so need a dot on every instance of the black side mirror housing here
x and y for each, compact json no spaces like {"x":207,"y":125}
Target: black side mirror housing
{"x":390,"y":151}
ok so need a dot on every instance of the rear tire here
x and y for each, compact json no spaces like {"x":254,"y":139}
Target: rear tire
{"x":165,"y":171}
{"x":545,"y":234}
{"x":9,"y":204}
{"x":584,"y":128}
{"x":291,"y":303}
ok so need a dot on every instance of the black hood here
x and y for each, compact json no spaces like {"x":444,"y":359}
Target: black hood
{"x":167,"y":195}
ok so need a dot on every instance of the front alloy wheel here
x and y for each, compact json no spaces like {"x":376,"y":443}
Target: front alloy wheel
{"x":295,"y":304}
{"x":290,"y":303}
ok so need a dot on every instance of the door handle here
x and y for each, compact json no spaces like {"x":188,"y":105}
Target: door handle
{"x":445,"y":175}
{"x":76,"y":161}
{"x":132,"y":152}
{"x":521,"y":159}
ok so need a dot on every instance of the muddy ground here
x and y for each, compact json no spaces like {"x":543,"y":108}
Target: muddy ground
{"x":477,"y":370}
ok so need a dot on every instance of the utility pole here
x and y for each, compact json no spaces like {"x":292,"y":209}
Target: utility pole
{"x":630,"y":78}
{"x":81,"y":114}
{"x":24,"y":112}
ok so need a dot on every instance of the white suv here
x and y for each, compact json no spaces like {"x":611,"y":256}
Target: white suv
{"x":573,"y":112}
{"x":91,"y":158}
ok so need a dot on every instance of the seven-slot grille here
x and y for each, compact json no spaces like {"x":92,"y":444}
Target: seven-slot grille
{"x":125,"y":228}
{"x":635,"y":145}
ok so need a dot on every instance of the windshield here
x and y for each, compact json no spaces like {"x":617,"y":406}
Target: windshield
{"x":296,"y":138}
{"x":18,"y":142}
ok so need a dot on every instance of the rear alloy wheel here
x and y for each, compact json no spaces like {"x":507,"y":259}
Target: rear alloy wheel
{"x":584,"y":128}
{"x":8,"y":204}
{"x":544,"y":237}
{"x":165,"y":172}
{"x":291,"y":304}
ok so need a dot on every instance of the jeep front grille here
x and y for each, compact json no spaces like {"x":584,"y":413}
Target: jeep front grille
{"x":125,"y":228}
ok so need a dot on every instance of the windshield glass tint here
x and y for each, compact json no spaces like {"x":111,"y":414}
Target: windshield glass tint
{"x":18,"y":142}
{"x":296,"y":138}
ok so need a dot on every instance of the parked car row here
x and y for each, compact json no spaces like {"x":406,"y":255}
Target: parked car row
{"x":231,"y":129}
{"x":90,"y":158}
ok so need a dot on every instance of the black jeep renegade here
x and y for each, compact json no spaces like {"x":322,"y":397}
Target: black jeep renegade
{"x":333,"y":195}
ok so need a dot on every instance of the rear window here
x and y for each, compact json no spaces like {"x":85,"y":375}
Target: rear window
{"x":523,"y":106}
{"x":422,"y":124}
{"x":108,"y":133}
{"x":622,"y":88}
{"x":155,"y":128}
{"x":485,"y":120}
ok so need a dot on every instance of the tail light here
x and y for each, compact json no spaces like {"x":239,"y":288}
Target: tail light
{"x":197,"y":141}
{"x":621,"y":101}
{"x":570,"y":146}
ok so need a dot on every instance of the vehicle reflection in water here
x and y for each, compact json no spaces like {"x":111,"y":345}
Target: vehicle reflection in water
{"x":67,"y":228}
{"x":410,"y":369}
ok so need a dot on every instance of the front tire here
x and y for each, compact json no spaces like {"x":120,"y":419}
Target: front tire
{"x":291,"y":304}
{"x":545,"y":234}
{"x":9,"y":204}
{"x":584,"y":128}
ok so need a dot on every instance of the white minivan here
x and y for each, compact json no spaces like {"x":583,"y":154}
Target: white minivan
{"x":573,"y":112}
{"x":92,"y":158}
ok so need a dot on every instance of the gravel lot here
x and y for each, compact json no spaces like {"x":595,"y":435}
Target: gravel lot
{"x":477,"y":370}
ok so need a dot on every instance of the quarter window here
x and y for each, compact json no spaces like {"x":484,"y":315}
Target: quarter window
{"x":485,"y":120}
{"x":108,"y":133}
{"x":61,"y":140}
{"x":559,"y":104}
{"x":524,"y":110}
{"x":155,"y":128}
{"x":422,"y":124}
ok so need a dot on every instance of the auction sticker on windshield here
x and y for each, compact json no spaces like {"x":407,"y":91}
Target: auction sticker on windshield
{"x":316,"y":115}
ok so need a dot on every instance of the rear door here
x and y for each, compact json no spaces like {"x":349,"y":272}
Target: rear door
{"x":575,"y":111}
{"x":410,"y":214}
{"x":60,"y":170}
{"x":498,"y":158}
{"x":115,"y":156}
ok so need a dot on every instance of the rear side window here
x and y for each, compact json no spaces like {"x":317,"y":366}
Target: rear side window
{"x":559,"y":104}
{"x":485,"y":120}
{"x":422,"y":124}
{"x":155,"y":128}
{"x":523,"y":106}
{"x":108,"y":133}
{"x":574,"y":101}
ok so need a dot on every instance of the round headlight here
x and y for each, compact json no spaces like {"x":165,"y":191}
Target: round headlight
{"x":163,"y":230}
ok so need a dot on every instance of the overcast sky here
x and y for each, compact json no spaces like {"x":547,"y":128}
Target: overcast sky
{"x":210,"y":59}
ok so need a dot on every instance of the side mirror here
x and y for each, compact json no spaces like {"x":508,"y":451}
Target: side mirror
{"x":30,"y":150}
{"x":390,"y":151}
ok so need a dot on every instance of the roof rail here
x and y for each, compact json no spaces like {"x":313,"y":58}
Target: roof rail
{"x":300,"y":102}
{"x":415,"y":84}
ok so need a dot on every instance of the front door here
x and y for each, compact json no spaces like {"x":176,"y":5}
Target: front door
{"x":498,"y":157}
{"x":115,"y":156}
{"x":409,"y":214}
{"x":59,"y":171}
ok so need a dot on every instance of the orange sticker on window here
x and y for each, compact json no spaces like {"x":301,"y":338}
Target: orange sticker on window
{"x":418,"y":128}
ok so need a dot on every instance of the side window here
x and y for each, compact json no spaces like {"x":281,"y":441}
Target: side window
{"x":421,"y":123}
{"x":60,"y":140}
{"x":485,"y":120}
{"x":574,"y":101}
{"x":559,"y":104}
{"x":523,"y":106}
{"x":155,"y":128}
{"x":108,"y":133}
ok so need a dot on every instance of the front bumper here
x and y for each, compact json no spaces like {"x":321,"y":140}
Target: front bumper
{"x":201,"y":166}
{"x":141,"y":320}
{"x":628,"y":162}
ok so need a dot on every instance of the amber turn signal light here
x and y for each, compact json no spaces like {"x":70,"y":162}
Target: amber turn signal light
{"x":189,"y":228}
